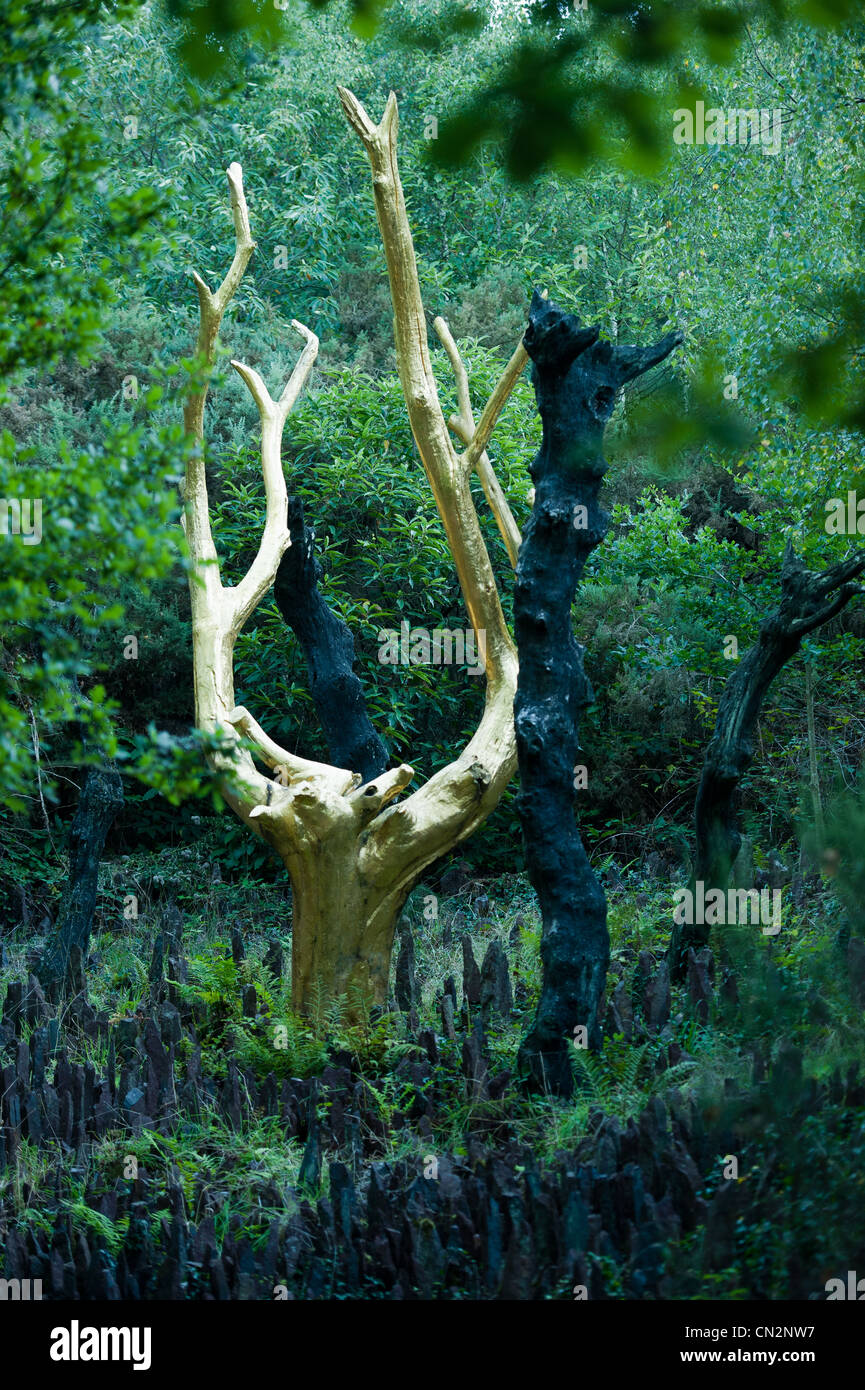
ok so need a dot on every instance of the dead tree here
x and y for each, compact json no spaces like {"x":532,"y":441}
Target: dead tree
{"x":808,"y":600}
{"x":577,"y":380}
{"x":99,"y":803}
{"x":328,"y":646}
{"x":352,"y":850}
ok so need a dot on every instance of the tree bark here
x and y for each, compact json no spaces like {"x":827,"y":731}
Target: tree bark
{"x":352,"y":855}
{"x":98,"y":805}
{"x":353,"y":963}
{"x":328,"y":646}
{"x":808,"y":600}
{"x":577,"y":379}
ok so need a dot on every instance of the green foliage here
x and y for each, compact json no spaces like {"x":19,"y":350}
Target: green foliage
{"x":52,"y":161}
{"x":94,"y":514}
{"x":843,"y":853}
{"x":622,"y":1078}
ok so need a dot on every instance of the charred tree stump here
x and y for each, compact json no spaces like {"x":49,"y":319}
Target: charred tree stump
{"x":808,"y":600}
{"x":577,"y":379}
{"x":98,"y":805}
{"x":328,"y":646}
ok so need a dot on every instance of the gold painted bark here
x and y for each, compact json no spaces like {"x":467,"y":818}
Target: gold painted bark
{"x":353,"y":852}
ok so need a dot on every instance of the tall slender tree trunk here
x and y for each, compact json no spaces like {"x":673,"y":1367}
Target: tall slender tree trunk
{"x":577,"y":379}
{"x":99,"y":804}
{"x":328,"y":646}
{"x":808,"y":600}
{"x":813,"y":767}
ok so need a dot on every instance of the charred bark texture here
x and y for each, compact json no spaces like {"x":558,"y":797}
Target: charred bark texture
{"x":577,"y":379}
{"x":328,"y":646}
{"x":98,"y":805}
{"x":808,"y":600}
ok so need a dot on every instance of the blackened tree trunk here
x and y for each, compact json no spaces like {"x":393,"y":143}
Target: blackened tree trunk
{"x":98,"y":805}
{"x":328,"y":646}
{"x":808,"y":600}
{"x":577,"y":379}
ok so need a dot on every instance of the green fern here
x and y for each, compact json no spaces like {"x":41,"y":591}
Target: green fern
{"x":622,"y":1078}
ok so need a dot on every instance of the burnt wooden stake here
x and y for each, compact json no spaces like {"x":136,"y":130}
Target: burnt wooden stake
{"x":808,"y":600}
{"x":577,"y":379}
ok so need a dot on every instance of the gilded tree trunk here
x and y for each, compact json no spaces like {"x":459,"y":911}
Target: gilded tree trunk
{"x":353,"y":850}
{"x":342,"y":933}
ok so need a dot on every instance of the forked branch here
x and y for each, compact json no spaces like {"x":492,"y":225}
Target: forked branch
{"x":275,"y":537}
{"x":455,"y":800}
{"x":463,"y":426}
{"x":220,"y":611}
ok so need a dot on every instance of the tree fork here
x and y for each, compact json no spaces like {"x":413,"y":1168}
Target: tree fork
{"x":577,"y":379}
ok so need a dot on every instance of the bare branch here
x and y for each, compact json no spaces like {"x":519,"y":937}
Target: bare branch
{"x":218,"y":612}
{"x":242,"y":236}
{"x":257,"y":389}
{"x":448,"y":480}
{"x":464,"y":423}
{"x":368,"y":800}
{"x":212,"y":306}
{"x":463,"y":426}
{"x":289,"y":765}
{"x":802,"y":626}
{"x":275,"y":538}
{"x":196,"y":519}
{"x":302,"y":368}
{"x":357,"y":117}
{"x":494,"y":406}
{"x":447,"y":807}
{"x":839,"y":574}
{"x":631,"y":362}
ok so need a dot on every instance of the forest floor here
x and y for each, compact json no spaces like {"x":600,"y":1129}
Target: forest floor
{"x":175,"y":1131}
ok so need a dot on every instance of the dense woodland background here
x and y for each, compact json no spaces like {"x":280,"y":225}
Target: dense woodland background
{"x":116,"y":131}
